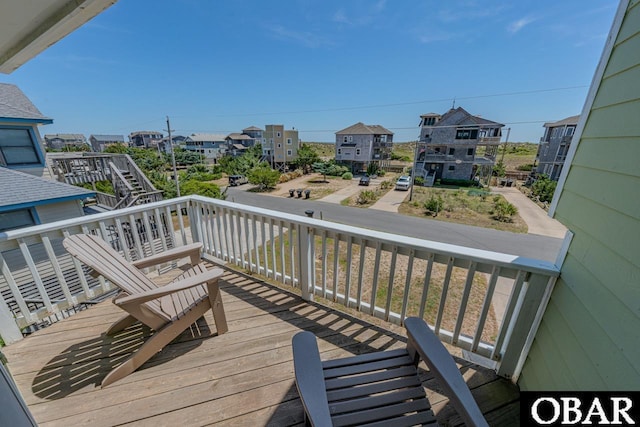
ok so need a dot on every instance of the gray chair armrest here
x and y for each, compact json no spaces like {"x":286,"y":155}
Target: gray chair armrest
{"x":427,"y":345}
{"x":192,"y":251}
{"x":310,"y":379}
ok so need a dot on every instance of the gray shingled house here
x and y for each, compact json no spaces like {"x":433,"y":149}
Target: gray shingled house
{"x":360,"y":144}
{"x":554,"y":146}
{"x":448,"y":146}
{"x":100,"y":142}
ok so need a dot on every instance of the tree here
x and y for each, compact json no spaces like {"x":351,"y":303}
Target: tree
{"x":499,"y":169}
{"x":118,"y":148}
{"x":321,"y":167}
{"x":373,"y":169}
{"x":307,"y":156}
{"x":503,"y":211}
{"x":264,"y":176}
{"x":544,"y":188}
{"x":200,"y":188}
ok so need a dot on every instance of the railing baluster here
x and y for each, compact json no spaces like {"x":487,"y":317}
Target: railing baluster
{"x":324,"y":263}
{"x":486,"y":305}
{"x":170,"y":228}
{"x":160,"y":227}
{"x":103,"y":231}
{"x":347,"y":282}
{"x":443,"y":297}
{"x":363,"y":252}
{"x":58,"y":271}
{"x":217,"y":236}
{"x":274,"y":266}
{"x":336,"y":256}
{"x":376,"y":275}
{"x":392,"y":273}
{"x":263,"y":234}
{"x":250,"y":242}
{"x":239,"y":234}
{"x":34,"y":273}
{"x":136,"y":237}
{"x":122,"y":237}
{"x":181,"y":224}
{"x":282,"y":237}
{"x":15,"y":290}
{"x":463,"y":302}
{"x":291,"y":249}
{"x":149,"y":233}
{"x":407,"y":286}
{"x":425,"y":285}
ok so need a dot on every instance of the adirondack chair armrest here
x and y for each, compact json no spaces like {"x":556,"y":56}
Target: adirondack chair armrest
{"x":423,"y":341}
{"x":310,"y":379}
{"x":186,"y":283}
{"x":192,"y":251}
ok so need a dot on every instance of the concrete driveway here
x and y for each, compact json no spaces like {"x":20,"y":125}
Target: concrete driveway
{"x":390,"y":201}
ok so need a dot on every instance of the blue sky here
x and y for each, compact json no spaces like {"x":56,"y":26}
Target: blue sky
{"x":319,"y":66}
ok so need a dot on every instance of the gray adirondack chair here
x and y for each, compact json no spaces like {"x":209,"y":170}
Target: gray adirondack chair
{"x":168,"y":309}
{"x":381,"y":388}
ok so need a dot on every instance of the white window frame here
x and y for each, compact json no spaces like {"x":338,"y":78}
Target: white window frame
{"x":345,"y":138}
{"x":289,"y":152}
{"x":288,"y":141}
{"x":350,"y":138}
{"x":357,"y":151}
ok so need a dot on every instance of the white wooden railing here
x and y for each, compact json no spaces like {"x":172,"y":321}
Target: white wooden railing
{"x":386,"y":275}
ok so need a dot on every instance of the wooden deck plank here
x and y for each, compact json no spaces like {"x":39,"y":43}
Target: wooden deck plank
{"x":243,"y":377}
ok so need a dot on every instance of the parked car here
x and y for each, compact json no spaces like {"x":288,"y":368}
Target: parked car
{"x":403,"y":183}
{"x":237,"y":180}
{"x":365,"y":180}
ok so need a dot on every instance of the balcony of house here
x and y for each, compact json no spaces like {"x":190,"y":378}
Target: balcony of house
{"x":284,"y":273}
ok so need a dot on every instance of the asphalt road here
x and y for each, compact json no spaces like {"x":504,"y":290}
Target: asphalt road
{"x":525,"y":245}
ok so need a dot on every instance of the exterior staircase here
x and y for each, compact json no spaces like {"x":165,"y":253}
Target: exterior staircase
{"x":131,"y":186}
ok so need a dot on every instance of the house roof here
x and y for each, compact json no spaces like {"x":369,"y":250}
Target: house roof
{"x":108,"y":138}
{"x":238,"y":136}
{"x":573,"y":120}
{"x":205,"y":137}
{"x":251,"y":128}
{"x":144,"y":132}
{"x":239,"y":147}
{"x":65,"y":136}
{"x":14,"y":104}
{"x":29,"y":27}
{"x":19,"y":188}
{"x":460,"y":116}
{"x":362,"y":129}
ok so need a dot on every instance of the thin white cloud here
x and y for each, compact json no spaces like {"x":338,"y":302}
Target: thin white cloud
{"x":518,"y":25}
{"x":304,"y":38}
{"x":341,"y":17}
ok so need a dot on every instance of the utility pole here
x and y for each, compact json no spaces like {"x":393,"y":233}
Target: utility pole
{"x":413,"y":170}
{"x":506,"y":143}
{"x":173,"y":160}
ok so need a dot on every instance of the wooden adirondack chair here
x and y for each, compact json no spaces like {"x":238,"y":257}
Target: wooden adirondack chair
{"x":381,"y":388}
{"x":168,"y":309}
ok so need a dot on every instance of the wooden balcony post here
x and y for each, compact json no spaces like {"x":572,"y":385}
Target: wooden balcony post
{"x":527,"y":310}
{"x":306,"y":261}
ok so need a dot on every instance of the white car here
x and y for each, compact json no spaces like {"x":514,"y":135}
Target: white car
{"x":403,"y":183}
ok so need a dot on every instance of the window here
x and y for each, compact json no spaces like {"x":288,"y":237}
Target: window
{"x":357,"y":151}
{"x":467,"y":134}
{"x":350,"y":138}
{"x":452,"y":167}
{"x":279,"y":145}
{"x":16,"y":219}
{"x":429,"y":121}
{"x":289,"y":153}
{"x":18,"y":147}
{"x":569,"y":131}
{"x":339,"y":151}
{"x":289,"y":141}
{"x":452,"y":151}
{"x":469,"y":151}
{"x":345,"y":138}
{"x":278,"y":134}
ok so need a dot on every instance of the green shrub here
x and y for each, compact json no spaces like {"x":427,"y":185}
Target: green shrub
{"x":385,"y":185}
{"x":526,"y":167}
{"x":347,"y":175}
{"x":418,"y":181}
{"x":382,"y":172}
{"x":200,"y":188}
{"x":433,"y":204}
{"x":503,"y":211}
{"x":366,"y":196}
{"x":459,"y":182}
{"x":264,"y":176}
{"x":543,"y":188}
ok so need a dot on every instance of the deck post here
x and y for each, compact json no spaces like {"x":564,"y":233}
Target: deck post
{"x":522,"y":323}
{"x":306,"y":261}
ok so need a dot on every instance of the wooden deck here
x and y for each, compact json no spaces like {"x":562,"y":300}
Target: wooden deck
{"x":243,"y":377}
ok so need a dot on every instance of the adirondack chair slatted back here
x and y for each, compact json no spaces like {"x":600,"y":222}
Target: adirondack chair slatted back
{"x":97,"y":254}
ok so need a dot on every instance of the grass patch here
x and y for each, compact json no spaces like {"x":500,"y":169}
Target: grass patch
{"x":462,"y":206}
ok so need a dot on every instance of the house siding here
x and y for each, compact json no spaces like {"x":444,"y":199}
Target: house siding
{"x":589,"y":337}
